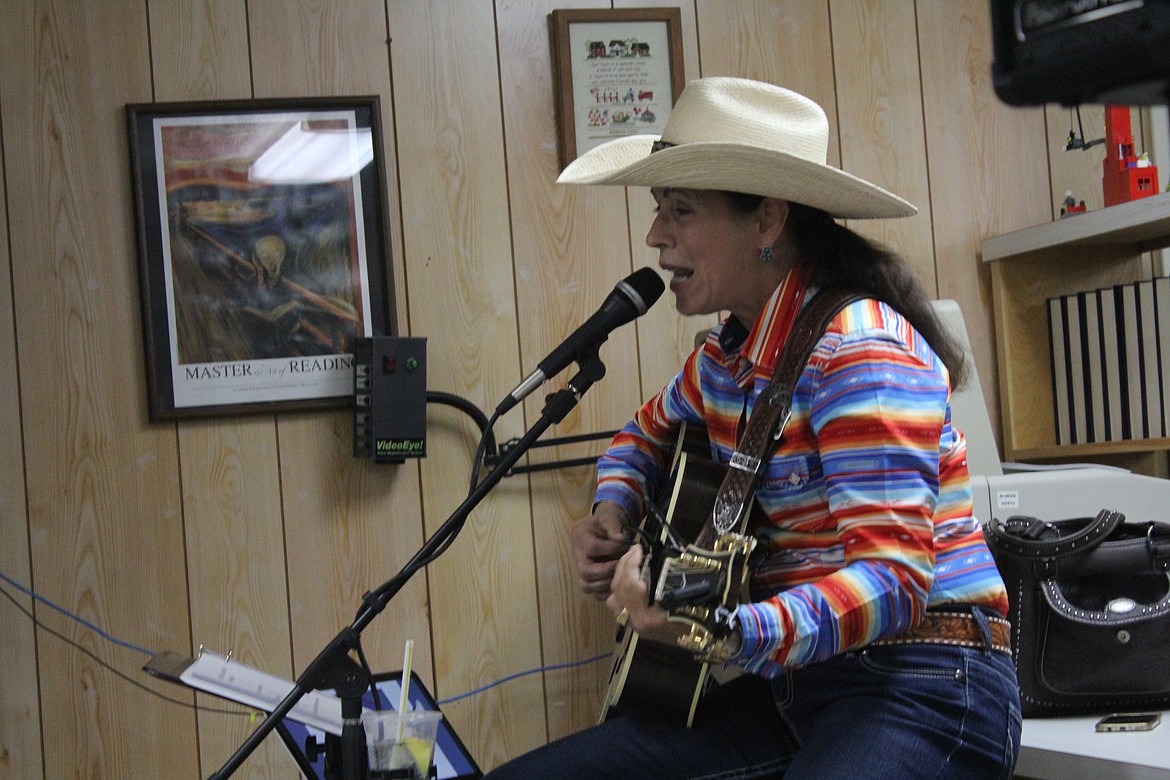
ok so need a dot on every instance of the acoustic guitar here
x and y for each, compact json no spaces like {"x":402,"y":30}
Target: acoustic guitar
{"x":686,"y":581}
{"x":692,"y":582}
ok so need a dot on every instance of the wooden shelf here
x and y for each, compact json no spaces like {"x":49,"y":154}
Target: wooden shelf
{"x":1139,"y":226}
{"x":1082,"y":252}
{"x":1091,"y":451}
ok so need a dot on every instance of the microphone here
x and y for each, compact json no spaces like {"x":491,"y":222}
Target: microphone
{"x":631,"y":298}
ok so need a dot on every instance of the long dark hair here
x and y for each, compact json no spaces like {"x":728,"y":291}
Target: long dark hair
{"x":834,"y":256}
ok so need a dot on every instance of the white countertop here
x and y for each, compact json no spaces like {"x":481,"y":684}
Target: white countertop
{"x":1071,"y":748}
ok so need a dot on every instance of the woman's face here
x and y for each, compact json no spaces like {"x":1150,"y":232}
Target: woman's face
{"x":712,"y":252}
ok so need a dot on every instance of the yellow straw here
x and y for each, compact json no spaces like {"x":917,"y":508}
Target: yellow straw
{"x":403,"y":701}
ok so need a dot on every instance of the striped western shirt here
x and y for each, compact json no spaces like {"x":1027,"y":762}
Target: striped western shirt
{"x":867,"y":497}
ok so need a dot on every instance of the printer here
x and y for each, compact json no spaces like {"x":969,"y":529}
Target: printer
{"x":1045,"y":492}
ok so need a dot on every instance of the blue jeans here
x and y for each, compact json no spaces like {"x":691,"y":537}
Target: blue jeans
{"x":904,"y":711}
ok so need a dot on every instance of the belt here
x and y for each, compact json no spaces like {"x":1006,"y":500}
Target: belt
{"x":960,"y":629}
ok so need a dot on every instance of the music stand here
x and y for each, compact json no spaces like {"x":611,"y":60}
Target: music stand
{"x":452,"y":761}
{"x":303,"y":730}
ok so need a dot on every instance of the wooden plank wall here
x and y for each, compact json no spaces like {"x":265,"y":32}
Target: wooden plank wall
{"x":260,"y":534}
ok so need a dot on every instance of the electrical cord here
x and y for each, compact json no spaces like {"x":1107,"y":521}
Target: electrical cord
{"x":1075,"y":142}
{"x":72,"y":616}
{"x":77,"y":645}
{"x":473,"y":411}
{"x":486,"y":444}
{"x":485,"y":452}
{"x":518,"y":675}
{"x":197,"y":707}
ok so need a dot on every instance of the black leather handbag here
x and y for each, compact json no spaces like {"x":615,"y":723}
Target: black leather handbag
{"x":1090,"y":611}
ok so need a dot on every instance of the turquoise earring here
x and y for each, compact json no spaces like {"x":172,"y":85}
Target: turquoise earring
{"x":766,"y":254}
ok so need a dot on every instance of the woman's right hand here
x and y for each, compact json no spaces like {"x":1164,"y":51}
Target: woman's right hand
{"x":598,"y":542}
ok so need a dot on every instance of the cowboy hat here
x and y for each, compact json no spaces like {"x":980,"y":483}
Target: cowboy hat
{"x":741,"y":136}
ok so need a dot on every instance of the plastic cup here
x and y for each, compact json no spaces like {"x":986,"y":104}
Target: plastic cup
{"x":409,"y":757}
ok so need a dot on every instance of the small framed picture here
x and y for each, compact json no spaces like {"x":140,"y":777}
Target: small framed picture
{"x":616,"y":72}
{"x":264,"y":250}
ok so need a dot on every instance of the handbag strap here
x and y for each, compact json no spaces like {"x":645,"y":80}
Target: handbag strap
{"x":1158,"y":543}
{"x":1021,"y":536}
{"x":770,"y":415}
{"x":1038,"y":546}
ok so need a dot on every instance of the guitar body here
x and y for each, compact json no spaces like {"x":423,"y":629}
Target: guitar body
{"x":651,"y":676}
{"x":700,"y":586}
{"x":654,"y":677}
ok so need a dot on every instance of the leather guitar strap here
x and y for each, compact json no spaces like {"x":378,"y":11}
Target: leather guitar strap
{"x":770,"y":415}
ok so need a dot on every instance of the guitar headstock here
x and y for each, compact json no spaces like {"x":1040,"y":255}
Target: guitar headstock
{"x":697,"y":582}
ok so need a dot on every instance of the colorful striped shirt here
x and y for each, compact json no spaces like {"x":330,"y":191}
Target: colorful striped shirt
{"x":867,"y":497}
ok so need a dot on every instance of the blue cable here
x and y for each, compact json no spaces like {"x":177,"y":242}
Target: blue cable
{"x":131,"y":646}
{"x":72,"y":616}
{"x":518,"y":675}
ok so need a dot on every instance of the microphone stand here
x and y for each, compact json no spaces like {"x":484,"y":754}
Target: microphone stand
{"x":333,"y":665}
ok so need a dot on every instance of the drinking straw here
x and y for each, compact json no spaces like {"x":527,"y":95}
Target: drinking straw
{"x":403,"y":701}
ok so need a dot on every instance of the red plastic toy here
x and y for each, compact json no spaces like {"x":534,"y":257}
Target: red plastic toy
{"x":1126,"y":177}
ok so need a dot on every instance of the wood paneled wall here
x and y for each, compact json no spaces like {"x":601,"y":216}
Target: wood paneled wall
{"x":259,"y":534}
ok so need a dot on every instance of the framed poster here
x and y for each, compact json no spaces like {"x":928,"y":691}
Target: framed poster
{"x":616,"y":72}
{"x":264,"y":250}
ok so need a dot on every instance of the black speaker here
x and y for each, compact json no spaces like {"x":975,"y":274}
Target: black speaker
{"x":1081,"y":51}
{"x":390,"y":398}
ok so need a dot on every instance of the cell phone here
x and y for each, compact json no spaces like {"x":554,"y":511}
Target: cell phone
{"x":1129,"y":721}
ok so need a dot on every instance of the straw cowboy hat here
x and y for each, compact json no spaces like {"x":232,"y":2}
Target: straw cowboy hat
{"x":741,"y":136}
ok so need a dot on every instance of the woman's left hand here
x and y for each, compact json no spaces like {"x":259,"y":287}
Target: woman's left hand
{"x":630,"y":594}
